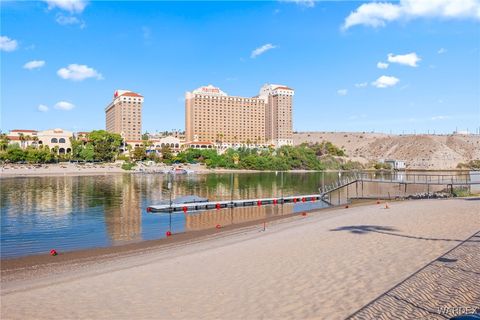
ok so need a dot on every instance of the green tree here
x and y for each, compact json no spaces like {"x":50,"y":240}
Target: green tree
{"x":106,"y":145}
{"x":88,"y":152}
{"x":139,"y":154}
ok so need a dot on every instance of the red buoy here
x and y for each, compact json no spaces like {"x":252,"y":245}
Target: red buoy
{"x":53,"y":252}
{"x":184,"y":209}
{"x":168,"y":233}
{"x":218,"y":226}
{"x":378,"y":201}
{"x":303,"y":199}
{"x":304,"y":214}
{"x":294,"y":200}
{"x":149,"y":209}
{"x":346,"y":207}
{"x":313,"y":199}
{"x":274,"y":201}
{"x":217,"y":206}
{"x":259,"y":203}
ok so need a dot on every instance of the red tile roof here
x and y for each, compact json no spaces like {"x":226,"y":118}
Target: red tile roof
{"x":198,"y":142}
{"x":284,"y":88}
{"x":17,"y":138}
{"x":131,"y":94}
{"x":19,"y":130}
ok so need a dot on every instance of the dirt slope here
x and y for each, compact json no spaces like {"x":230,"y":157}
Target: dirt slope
{"x":419,"y":151}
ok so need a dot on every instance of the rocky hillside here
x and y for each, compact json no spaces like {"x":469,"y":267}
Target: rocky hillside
{"x":419,"y":151}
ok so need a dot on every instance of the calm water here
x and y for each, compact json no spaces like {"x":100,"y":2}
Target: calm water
{"x":71,"y":213}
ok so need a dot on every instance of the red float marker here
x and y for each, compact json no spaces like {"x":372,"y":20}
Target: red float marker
{"x":218,"y":226}
{"x":168,"y":233}
{"x":274,"y":201}
{"x":217,"y":206}
{"x":149,"y":209}
{"x":313,"y":199}
{"x":259,"y":203}
{"x":303,"y":199}
{"x":346,"y":207}
{"x":184,"y":209}
{"x":294,"y":200}
{"x":378,"y":201}
{"x":53,"y":252}
{"x":304,"y":214}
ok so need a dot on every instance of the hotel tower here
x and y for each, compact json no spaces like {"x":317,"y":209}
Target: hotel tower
{"x":124,"y":115}
{"x":212,"y":115}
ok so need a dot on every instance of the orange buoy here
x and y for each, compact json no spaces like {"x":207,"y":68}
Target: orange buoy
{"x":168,"y":233}
{"x":304,"y":214}
{"x":53,"y":252}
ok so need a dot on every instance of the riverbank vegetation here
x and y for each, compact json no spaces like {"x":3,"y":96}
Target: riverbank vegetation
{"x":103,"y":146}
{"x":471,"y":165}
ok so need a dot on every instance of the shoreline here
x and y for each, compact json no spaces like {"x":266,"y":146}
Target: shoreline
{"x":58,"y":170}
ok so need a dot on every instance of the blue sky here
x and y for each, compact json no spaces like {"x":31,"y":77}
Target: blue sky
{"x":62,"y":60}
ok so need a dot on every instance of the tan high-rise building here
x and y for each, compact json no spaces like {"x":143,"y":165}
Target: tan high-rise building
{"x":212,"y":115}
{"x":124,"y":115}
{"x":278,"y":114}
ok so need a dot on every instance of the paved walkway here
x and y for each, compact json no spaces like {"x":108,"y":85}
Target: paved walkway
{"x":446,"y":287}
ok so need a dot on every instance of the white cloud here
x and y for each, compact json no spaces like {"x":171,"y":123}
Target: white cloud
{"x":69,"y":20}
{"x":64,"y":105}
{"x":382,"y":65}
{"x":361,"y":85}
{"x":305,"y":3}
{"x":441,"y":50}
{"x":434,"y":118}
{"x":7,"y":44}
{"x":409,"y":59}
{"x":72,"y":6}
{"x":42,"y":108}
{"x":261,"y":50}
{"x":78,"y":72}
{"x":34,"y":64}
{"x":385,"y":82}
{"x":377,"y":14}
{"x":342,"y":92}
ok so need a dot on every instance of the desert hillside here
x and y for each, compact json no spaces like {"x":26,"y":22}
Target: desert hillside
{"x":419,"y":151}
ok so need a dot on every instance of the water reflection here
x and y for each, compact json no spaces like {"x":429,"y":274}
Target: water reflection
{"x":69,"y":213}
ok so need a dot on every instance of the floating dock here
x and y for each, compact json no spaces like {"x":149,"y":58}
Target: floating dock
{"x":175,"y":207}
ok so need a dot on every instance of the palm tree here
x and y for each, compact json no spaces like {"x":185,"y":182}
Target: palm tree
{"x":4,"y":141}
{"x":22,"y":140}
{"x":35,"y":141}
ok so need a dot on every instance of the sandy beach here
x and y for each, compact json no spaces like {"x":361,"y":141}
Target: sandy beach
{"x":326,"y":265}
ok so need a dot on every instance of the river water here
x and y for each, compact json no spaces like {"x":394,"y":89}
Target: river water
{"x":70,"y":213}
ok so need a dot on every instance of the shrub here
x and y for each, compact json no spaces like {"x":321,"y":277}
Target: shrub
{"x":128,"y":165}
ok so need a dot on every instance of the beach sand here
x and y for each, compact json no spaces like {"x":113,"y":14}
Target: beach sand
{"x":326,"y":265}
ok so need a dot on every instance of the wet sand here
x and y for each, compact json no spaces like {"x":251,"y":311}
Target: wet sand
{"x":325,"y":265}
